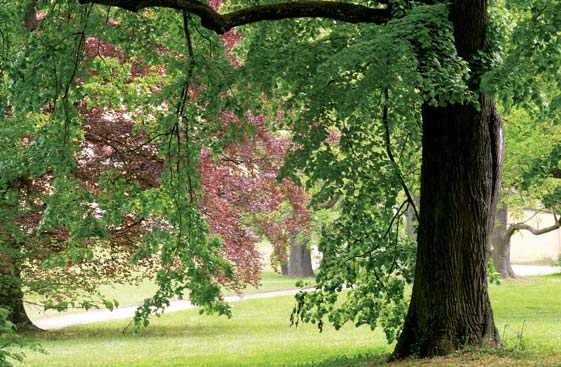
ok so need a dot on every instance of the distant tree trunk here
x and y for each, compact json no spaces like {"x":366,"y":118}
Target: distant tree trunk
{"x":410,"y":220}
{"x":300,"y":259}
{"x":501,"y":245}
{"x":511,"y":229}
{"x":284,"y":268}
{"x":30,"y":16}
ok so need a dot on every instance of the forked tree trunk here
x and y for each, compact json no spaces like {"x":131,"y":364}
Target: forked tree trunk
{"x":450,"y":306}
{"x":501,"y":245}
{"x":300,"y":259}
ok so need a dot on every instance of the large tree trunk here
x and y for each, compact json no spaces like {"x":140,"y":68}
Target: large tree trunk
{"x":501,"y":245}
{"x":300,"y":260}
{"x":450,"y":305}
{"x":460,"y":184}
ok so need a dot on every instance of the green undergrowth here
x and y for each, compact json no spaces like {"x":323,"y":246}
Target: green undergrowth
{"x":527,"y":313}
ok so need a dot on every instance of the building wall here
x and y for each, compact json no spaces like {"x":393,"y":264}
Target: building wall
{"x":526,"y":247}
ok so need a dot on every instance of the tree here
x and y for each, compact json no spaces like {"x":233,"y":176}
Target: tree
{"x":111,"y":161}
{"x":501,"y":253}
{"x":462,"y":151}
{"x":426,"y":63}
{"x":531,"y":179}
{"x":114,"y":166}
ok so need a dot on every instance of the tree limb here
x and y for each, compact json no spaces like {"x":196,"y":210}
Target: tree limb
{"x":329,"y":203}
{"x":221,"y":23}
{"x":523,"y":226}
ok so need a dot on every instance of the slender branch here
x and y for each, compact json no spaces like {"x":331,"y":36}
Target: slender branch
{"x":535,"y":231}
{"x":221,"y":23}
{"x":390,"y":153}
{"x":394,"y":219}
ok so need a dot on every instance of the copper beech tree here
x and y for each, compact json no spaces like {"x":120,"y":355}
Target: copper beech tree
{"x":114,"y":165}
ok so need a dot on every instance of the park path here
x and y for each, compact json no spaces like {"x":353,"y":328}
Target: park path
{"x":529,"y":270}
{"x":88,"y":317}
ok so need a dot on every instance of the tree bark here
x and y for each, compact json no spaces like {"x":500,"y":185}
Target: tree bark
{"x":501,"y":245}
{"x":450,"y":306}
{"x":300,"y":259}
{"x":460,"y":184}
{"x":11,"y":298}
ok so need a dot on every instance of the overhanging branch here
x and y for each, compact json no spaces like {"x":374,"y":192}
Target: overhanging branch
{"x":221,"y":23}
{"x":535,"y":231}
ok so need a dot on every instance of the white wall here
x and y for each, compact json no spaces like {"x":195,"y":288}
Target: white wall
{"x":525,"y":247}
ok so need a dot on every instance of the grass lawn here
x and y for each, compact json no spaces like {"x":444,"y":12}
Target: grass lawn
{"x":258,"y":334}
{"x":527,"y":311}
{"x":128,"y":295}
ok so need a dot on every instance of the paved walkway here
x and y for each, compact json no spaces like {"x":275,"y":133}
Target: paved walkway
{"x":528,"y":270}
{"x":88,"y":317}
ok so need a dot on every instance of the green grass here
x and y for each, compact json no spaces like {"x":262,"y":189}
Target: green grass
{"x":128,"y":295}
{"x":530,"y":307}
{"x":527,"y":312}
{"x":131,"y":295}
{"x":259,"y":334}
{"x":547,"y":261}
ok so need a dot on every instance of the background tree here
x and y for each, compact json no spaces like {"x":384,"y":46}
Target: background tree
{"x":527,"y":83}
{"x":114,"y":165}
{"x":529,"y":181}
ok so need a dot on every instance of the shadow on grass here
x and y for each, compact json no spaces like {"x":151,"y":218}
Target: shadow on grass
{"x":361,"y":360}
{"x":125,"y":332}
{"x":174,"y":327}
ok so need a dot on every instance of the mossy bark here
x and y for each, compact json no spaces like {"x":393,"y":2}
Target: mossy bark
{"x":12,"y":298}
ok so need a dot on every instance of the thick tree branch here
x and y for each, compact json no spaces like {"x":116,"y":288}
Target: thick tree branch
{"x":221,"y":23}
